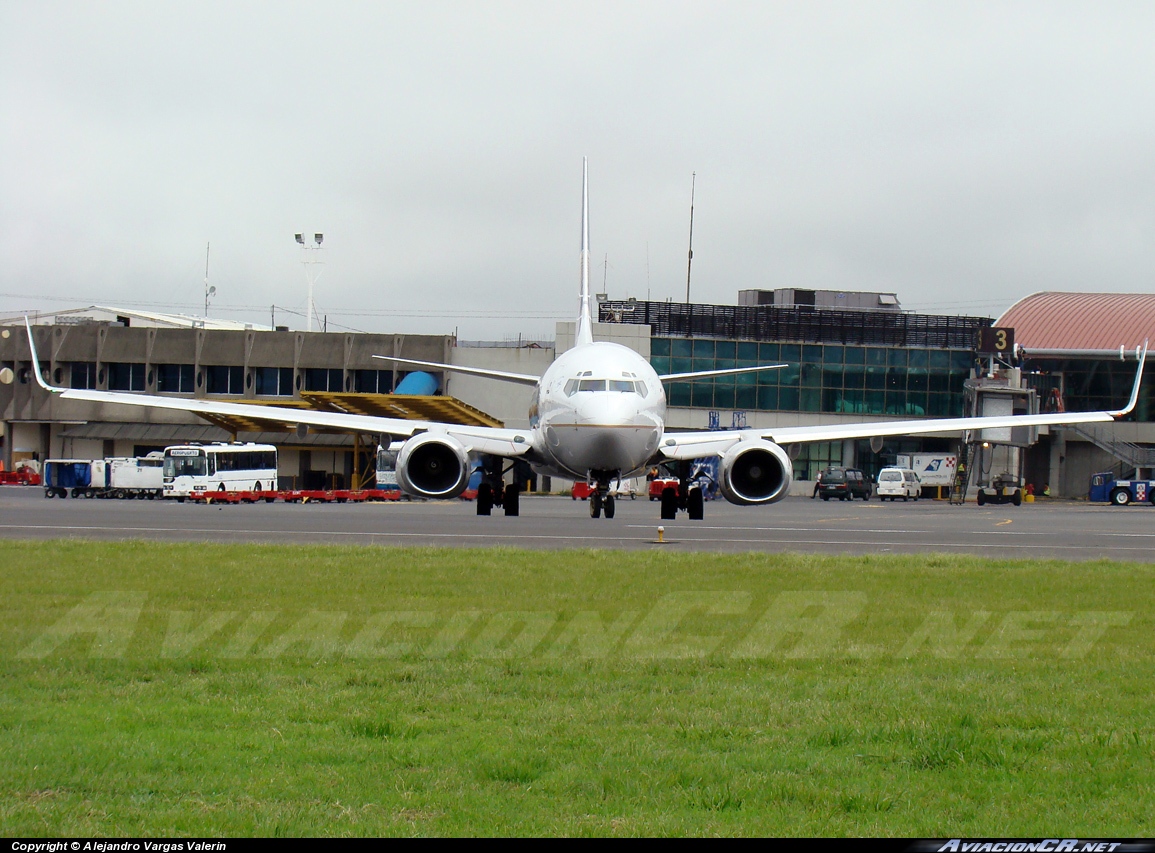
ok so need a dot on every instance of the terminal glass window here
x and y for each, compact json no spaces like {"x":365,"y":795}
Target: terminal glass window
{"x":225,"y":380}
{"x":82,"y":375}
{"x":274,"y":381}
{"x":812,"y":458}
{"x":123,"y":376}
{"x":175,"y":378}
{"x":373,"y":381}
{"x":862,"y":380}
{"x":324,"y":379}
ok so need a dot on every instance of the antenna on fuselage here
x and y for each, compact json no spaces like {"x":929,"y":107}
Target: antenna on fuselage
{"x":584,"y":333}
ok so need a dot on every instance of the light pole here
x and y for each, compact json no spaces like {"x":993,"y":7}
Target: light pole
{"x":312,"y":257}
{"x":209,"y":291}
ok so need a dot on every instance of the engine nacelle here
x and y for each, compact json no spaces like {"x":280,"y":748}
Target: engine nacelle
{"x":431,"y":465}
{"x":755,"y":472}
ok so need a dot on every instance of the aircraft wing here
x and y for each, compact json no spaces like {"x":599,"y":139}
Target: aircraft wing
{"x":494,"y":440}
{"x":692,"y":445}
{"x":704,"y":374}
{"x":502,"y":375}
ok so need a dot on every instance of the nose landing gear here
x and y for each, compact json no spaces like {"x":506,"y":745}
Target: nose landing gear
{"x":601,"y":501}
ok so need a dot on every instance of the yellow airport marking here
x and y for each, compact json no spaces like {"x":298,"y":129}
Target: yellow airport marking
{"x":1001,"y":523}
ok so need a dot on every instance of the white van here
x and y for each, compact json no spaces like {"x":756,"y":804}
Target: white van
{"x":897,"y":483}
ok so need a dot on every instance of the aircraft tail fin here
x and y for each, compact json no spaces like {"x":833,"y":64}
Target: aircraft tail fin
{"x":585,"y":324}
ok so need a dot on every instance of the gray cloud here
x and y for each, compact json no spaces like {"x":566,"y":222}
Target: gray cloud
{"x":963,"y":155}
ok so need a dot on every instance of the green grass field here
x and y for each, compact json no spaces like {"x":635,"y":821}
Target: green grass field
{"x":169,"y":690}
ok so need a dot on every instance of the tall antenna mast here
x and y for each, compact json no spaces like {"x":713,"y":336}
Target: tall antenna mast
{"x":690,"y":258}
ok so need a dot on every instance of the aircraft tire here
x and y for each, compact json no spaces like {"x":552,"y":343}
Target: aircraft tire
{"x":512,"y":501}
{"x":669,"y":503}
{"x":595,"y":505}
{"x":695,"y":505}
{"x":484,"y":499}
{"x":608,"y":506}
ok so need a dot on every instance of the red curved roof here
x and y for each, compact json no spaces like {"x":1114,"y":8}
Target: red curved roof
{"x":1082,"y":321}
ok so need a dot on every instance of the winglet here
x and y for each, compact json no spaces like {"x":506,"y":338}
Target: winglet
{"x":36,"y":361}
{"x":584,"y":334}
{"x":1135,"y":390}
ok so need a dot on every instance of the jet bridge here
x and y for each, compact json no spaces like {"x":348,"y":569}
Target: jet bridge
{"x":993,"y":460}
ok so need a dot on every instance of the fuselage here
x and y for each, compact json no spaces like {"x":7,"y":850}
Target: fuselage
{"x":599,"y":407}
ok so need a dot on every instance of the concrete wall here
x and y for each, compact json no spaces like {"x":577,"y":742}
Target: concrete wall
{"x":635,"y":337}
{"x":506,"y":401}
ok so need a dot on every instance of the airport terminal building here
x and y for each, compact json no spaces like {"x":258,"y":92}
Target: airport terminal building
{"x":848,"y":357}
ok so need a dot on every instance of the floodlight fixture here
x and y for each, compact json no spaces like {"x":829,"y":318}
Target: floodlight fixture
{"x":301,"y":239}
{"x":318,"y":238}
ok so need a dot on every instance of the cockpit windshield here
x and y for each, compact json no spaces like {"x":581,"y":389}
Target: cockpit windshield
{"x":621,"y":386}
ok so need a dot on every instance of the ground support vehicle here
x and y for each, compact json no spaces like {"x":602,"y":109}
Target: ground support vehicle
{"x":1002,"y":490}
{"x":19,"y":477}
{"x":1105,"y":488}
{"x":628,"y":487}
{"x":846,"y":484}
{"x":64,"y":477}
{"x":193,"y":469}
{"x":132,"y":477}
{"x":659,"y":485}
{"x":895,"y":483}
{"x":127,"y":477}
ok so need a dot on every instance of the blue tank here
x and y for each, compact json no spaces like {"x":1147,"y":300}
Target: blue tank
{"x":418,"y":384}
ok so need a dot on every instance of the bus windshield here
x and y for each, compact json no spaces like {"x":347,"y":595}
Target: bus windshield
{"x":185,"y":466}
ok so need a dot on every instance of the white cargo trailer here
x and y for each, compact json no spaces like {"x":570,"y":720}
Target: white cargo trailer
{"x":141,"y":477}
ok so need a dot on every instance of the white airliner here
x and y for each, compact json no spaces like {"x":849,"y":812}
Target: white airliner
{"x":598,"y":414}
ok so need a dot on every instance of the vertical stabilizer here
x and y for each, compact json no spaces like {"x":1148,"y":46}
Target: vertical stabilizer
{"x":585,"y":325}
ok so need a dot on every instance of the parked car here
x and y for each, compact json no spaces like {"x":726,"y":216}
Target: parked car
{"x":895,"y":483}
{"x":846,"y":484}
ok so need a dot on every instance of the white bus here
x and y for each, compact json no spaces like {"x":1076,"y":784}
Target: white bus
{"x":195,"y":469}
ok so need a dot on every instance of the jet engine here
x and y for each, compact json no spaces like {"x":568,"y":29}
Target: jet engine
{"x":755,"y":472}
{"x":431,"y":465}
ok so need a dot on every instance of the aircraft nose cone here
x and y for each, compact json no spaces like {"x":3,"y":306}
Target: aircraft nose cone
{"x":607,"y":410}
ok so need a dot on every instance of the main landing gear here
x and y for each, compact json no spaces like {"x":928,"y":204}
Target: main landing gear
{"x":686,"y":495}
{"x":493,"y":491}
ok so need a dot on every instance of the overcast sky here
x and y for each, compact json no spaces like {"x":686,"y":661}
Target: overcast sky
{"x":962,"y":155}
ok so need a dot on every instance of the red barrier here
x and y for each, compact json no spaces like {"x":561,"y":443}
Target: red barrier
{"x":298,"y":496}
